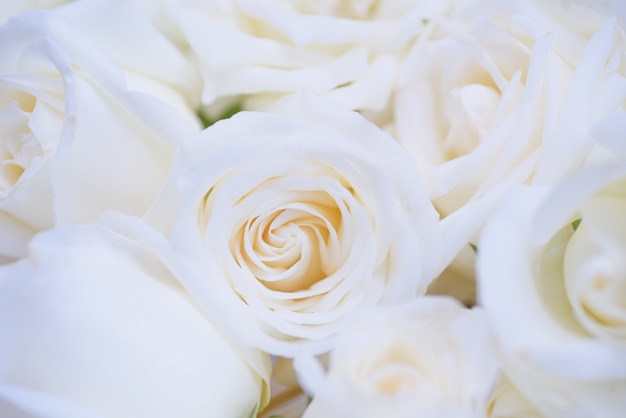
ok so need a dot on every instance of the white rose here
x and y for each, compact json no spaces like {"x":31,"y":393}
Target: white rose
{"x":299,"y":218}
{"x":552,"y":275}
{"x":347,"y":50}
{"x":429,"y":358}
{"x":94,"y":325}
{"x":74,"y":140}
{"x":503,"y":93}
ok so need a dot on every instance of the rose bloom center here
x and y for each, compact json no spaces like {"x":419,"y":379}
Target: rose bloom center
{"x":293,"y":245}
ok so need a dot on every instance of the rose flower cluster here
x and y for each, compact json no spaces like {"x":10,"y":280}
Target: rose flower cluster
{"x":333,"y":208}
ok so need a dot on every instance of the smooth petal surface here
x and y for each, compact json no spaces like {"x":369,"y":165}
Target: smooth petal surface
{"x":151,"y":62}
{"x":14,"y":7}
{"x":94,"y":324}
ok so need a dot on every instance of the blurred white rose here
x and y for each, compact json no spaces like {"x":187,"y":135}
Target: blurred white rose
{"x":429,"y":358}
{"x":503,"y":93}
{"x":552,"y":279}
{"x":346,"y":50}
{"x":296,"y":219}
{"x":74,"y":141}
{"x":94,"y":325}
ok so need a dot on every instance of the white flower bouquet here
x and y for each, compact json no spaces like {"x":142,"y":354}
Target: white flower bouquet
{"x":333,"y":208}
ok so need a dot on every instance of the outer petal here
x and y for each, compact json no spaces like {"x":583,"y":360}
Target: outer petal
{"x":151,"y":62}
{"x":94,"y":324}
